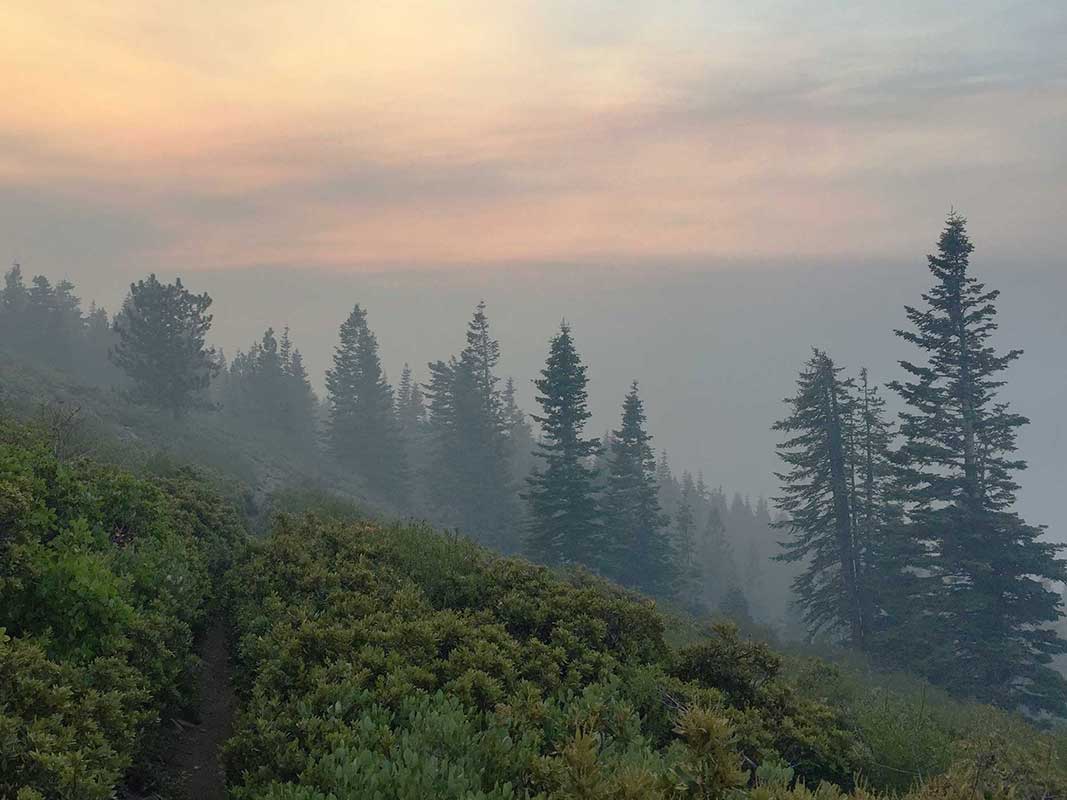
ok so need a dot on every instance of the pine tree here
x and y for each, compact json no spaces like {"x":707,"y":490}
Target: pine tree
{"x":269,"y":374}
{"x":685,"y":544}
{"x":640,"y":553}
{"x":980,"y":615}
{"x":703,"y":495}
{"x":285,"y":350}
{"x":363,"y":431}
{"x":410,"y":409}
{"x":161,"y":346}
{"x":720,"y":570}
{"x":488,"y":495}
{"x":470,"y":470}
{"x":14,"y":299}
{"x":564,"y":515}
{"x":816,"y":496}
{"x":301,"y":401}
{"x":98,"y":333}
{"x":874,"y":514}
{"x":519,"y":434}
{"x":39,"y":308}
{"x":270,"y":385}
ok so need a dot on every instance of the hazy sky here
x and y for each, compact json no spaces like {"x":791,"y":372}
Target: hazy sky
{"x":704,"y":188}
{"x":192,"y":134}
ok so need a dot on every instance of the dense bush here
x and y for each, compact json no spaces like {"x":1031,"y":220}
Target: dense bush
{"x":393,"y":662}
{"x":104,"y":577}
{"x":913,"y":732}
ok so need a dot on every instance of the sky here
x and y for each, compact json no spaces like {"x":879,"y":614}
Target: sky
{"x":704,"y":188}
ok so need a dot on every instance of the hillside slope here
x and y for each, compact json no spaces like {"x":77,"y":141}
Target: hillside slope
{"x":389,"y":661}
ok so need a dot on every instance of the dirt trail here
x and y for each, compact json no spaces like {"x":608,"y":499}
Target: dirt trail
{"x":196,"y":748}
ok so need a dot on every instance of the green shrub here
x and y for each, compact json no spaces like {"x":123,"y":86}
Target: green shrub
{"x":104,"y":577}
{"x":388,"y":661}
{"x":67,"y":731}
{"x":547,"y":687}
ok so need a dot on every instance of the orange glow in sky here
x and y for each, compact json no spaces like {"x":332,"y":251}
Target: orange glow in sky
{"x":352,"y":134}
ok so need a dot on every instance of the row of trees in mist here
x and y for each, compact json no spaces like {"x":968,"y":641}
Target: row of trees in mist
{"x":44,"y":321}
{"x":898,"y":537}
{"x":907,"y":535}
{"x":456,"y":448}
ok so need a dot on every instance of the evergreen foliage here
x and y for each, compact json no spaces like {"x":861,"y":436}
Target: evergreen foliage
{"x":720,"y":569}
{"x":363,"y":430}
{"x":270,"y":384}
{"x":161,"y":345}
{"x":978,"y":614}
{"x":564,"y":512}
{"x":353,"y":637}
{"x":471,"y":471}
{"x":687,"y":551}
{"x":519,"y":434}
{"x":875,"y":513}
{"x":410,"y":408}
{"x":915,"y":555}
{"x":816,"y":494}
{"x":639,"y":552}
{"x":45,"y":323}
{"x":391,"y":661}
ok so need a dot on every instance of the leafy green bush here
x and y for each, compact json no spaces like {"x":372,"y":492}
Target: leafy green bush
{"x":393,"y":662}
{"x":67,"y":730}
{"x":104,"y":577}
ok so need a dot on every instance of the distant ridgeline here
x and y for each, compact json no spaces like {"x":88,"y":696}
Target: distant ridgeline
{"x":897,"y":539}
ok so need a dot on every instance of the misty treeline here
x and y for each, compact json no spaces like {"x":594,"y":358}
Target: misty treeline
{"x":898,"y":536}
{"x":452,"y":446}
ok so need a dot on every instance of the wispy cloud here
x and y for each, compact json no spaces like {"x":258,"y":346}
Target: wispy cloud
{"x":349,"y":134}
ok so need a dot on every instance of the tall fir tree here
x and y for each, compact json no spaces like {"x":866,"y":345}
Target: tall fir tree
{"x":519,"y":434}
{"x":564,"y":513}
{"x":301,"y":401}
{"x":719,"y":567}
{"x":980,"y":617}
{"x":363,"y":431}
{"x":161,"y":344}
{"x":489,"y":496}
{"x":269,"y":373}
{"x":686,"y":549}
{"x":639,"y":552}
{"x":874,"y":513}
{"x":437,"y":479}
{"x":816,"y":495}
{"x":410,"y":408}
{"x":469,"y":479}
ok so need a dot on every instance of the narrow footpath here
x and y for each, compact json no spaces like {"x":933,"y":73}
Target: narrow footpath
{"x":197,"y":748}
